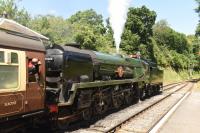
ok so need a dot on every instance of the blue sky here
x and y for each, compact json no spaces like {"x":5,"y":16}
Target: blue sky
{"x":179,"y":14}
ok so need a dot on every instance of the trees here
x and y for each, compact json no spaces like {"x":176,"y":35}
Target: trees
{"x":84,"y":27}
{"x":55,"y":28}
{"x":198,"y":11}
{"x":140,"y":34}
{"x":177,"y":47}
{"x":89,"y":31}
{"x":138,"y":31}
{"x":15,"y":13}
{"x":196,"y":41}
{"x":166,"y":36}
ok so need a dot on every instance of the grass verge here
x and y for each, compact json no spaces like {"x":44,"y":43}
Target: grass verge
{"x":172,"y":76}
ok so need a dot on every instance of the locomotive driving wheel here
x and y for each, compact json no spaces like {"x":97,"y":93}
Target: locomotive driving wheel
{"x":117,"y":102}
{"x":149,"y":91}
{"x":100,"y":105}
{"x":128,"y":98}
{"x":87,"y":114}
{"x":142,"y":94}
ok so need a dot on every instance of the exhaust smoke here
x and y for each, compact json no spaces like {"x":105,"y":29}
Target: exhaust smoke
{"x":118,"y":13}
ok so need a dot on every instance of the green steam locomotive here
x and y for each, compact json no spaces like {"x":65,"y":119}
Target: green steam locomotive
{"x":87,"y":83}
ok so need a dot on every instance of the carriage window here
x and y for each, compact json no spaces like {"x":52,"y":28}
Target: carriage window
{"x":1,"y":56}
{"x":9,"y":73}
{"x":9,"y":77}
{"x":14,"y":58}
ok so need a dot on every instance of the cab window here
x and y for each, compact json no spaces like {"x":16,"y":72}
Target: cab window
{"x":9,"y":78}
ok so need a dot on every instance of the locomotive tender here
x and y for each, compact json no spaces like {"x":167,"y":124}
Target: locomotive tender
{"x":74,"y":82}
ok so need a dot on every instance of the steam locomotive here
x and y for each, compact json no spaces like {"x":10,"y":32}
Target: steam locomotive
{"x":73,"y":83}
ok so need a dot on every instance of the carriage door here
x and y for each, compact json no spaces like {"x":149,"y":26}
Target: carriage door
{"x":35,"y":83}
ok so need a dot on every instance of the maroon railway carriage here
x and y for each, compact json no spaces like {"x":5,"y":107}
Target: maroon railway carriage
{"x":22,"y":93}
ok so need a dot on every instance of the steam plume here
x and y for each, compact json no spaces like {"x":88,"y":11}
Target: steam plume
{"x":118,"y":13}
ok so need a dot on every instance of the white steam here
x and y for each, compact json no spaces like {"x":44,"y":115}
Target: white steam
{"x":118,"y":13}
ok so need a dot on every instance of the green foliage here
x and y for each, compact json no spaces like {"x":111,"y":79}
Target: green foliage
{"x":198,"y":11}
{"x":130,"y":42}
{"x":140,"y":22}
{"x":55,"y":28}
{"x":89,"y":31}
{"x":177,"y":48}
{"x":160,"y":57}
{"x":194,"y":43}
{"x":166,"y":36}
{"x":138,"y":31}
{"x":11,"y":8}
{"x":158,"y":42}
{"x":179,"y":61}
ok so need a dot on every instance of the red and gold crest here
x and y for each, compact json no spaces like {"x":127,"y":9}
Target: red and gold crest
{"x":120,"y":71}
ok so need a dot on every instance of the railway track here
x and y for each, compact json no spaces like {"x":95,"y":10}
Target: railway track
{"x":134,"y":116}
{"x":151,"y":116}
{"x":170,"y":86}
{"x":101,"y":123}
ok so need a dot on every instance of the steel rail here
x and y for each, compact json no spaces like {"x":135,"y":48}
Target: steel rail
{"x":170,"y":109}
{"x":118,"y":126}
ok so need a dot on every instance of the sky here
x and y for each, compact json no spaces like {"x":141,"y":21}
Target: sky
{"x":179,"y":14}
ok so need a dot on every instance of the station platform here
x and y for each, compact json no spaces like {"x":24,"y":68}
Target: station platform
{"x":186,"y":119}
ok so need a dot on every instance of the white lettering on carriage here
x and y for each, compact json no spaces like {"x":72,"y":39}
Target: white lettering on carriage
{"x":10,"y":103}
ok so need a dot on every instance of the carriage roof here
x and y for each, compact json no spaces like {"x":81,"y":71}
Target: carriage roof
{"x":13,"y":34}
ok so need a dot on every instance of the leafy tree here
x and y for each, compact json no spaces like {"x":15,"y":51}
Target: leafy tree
{"x":140,"y":22}
{"x":160,"y":57}
{"x":84,"y":27}
{"x":198,"y":11}
{"x":194,"y":42}
{"x":138,"y":31}
{"x":130,"y":42}
{"x":88,"y":17}
{"x":177,"y":48}
{"x":15,"y":13}
{"x":89,"y":30}
{"x":179,"y":61}
{"x":195,"y":49}
{"x":55,"y":28}
{"x":166,"y":36}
